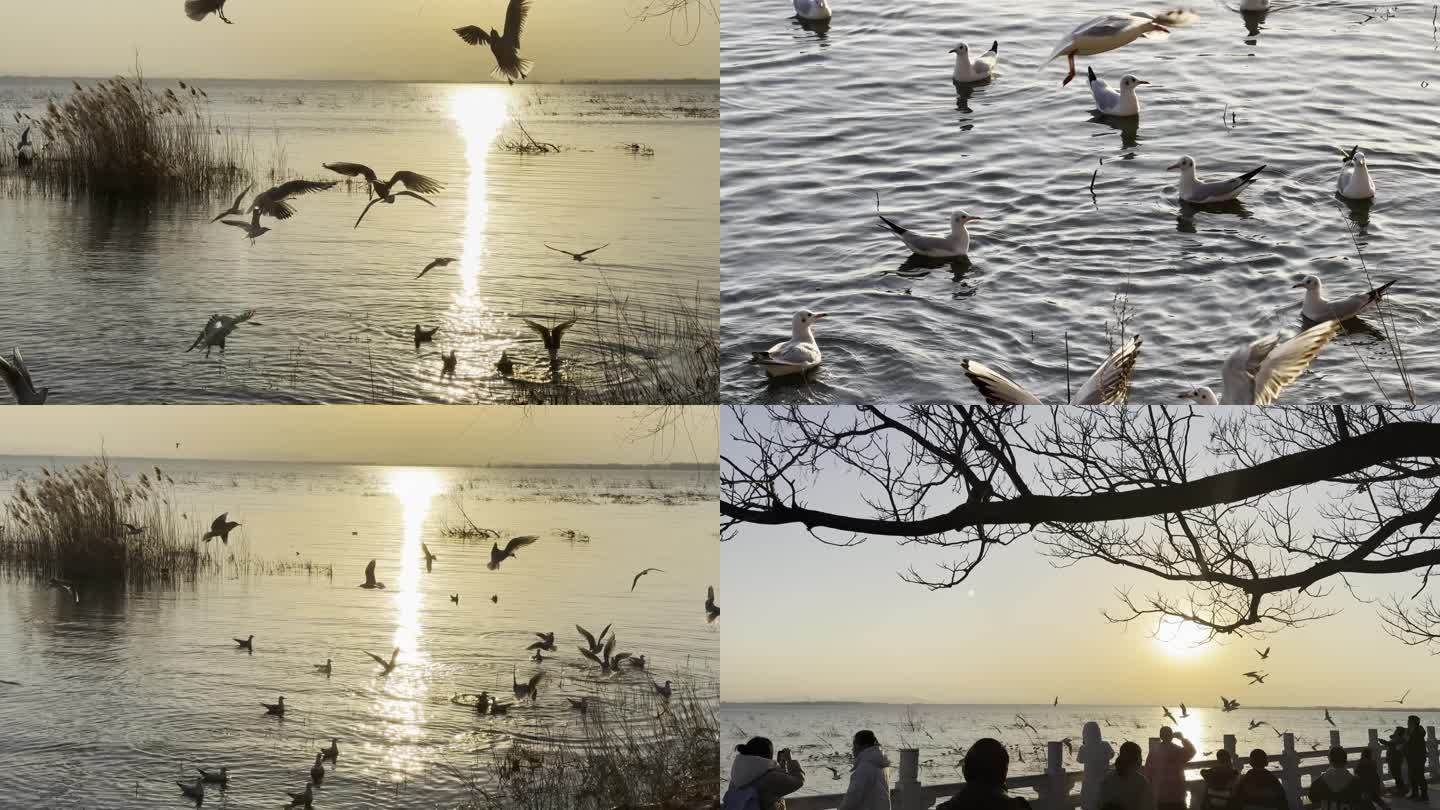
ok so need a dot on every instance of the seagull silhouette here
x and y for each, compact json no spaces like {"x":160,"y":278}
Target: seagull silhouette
{"x":317,"y":771}
{"x":246,"y":643}
{"x":217,"y":329}
{"x":253,"y":229}
{"x":1255,"y":677}
{"x":636,"y":580}
{"x":529,"y":689}
{"x":712,"y":610}
{"x":221,"y":527}
{"x":1169,"y":715}
{"x":1401,"y":701}
{"x":594,"y":643}
{"x":546,"y":642}
{"x":197,"y":10}
{"x":370,"y":583}
{"x":1263,"y":655}
{"x":17,"y":379}
{"x":1328,"y":719}
{"x":505,"y":47}
{"x":551,"y":336}
{"x":272,"y":202}
{"x":386,"y":667}
{"x":429,"y":558}
{"x":67,"y":586}
{"x":447,"y":364}
{"x":415,"y":185}
{"x":497,"y":555}
{"x":424,"y":335}
{"x":221,"y":778}
{"x":444,"y":262}
{"x":579,"y":257}
{"x":277,"y":709}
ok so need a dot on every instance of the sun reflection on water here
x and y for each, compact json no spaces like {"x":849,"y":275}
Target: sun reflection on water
{"x":481,"y":113}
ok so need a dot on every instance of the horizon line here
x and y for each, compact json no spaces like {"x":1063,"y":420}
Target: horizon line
{"x":146,"y":76}
{"x":514,"y":465}
{"x":1331,"y":706}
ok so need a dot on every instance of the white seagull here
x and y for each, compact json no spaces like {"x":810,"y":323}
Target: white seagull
{"x":1257,"y":372}
{"x":812,"y":9}
{"x":954,"y":246}
{"x":1107,"y":386}
{"x":1112,"y":31}
{"x":1123,"y":104}
{"x":979,"y":70}
{"x":1355,"y":182}
{"x":505,"y":47}
{"x":797,"y":355}
{"x":1316,"y":308}
{"x":17,"y":379}
{"x":1195,"y":190}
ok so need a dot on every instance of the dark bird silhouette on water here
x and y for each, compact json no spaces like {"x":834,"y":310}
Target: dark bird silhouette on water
{"x":712,"y":610}
{"x":447,"y":364}
{"x":221,"y":527}
{"x":221,"y":777}
{"x":551,"y":336}
{"x":66,"y":586}
{"x":443,"y":262}
{"x":370,"y":583}
{"x":455,"y":597}
{"x":429,"y":558}
{"x":546,"y":642}
{"x":194,"y":790}
{"x":579,"y":257}
{"x":593,"y":643}
{"x":305,"y":798}
{"x":277,"y":709}
{"x":386,"y":667}
{"x":504,"y":46}
{"x":607,"y":658}
{"x":217,"y":329}
{"x":246,"y":643}
{"x":415,"y":185}
{"x":17,"y":379}
{"x":505,"y":365}
{"x":424,"y":335}
{"x":198,"y":10}
{"x":498,"y":555}
{"x":317,"y":771}
{"x":529,"y":689}
{"x":636,"y":580}
{"x":332,"y":753}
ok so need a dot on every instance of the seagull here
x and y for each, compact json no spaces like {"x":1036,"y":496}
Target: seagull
{"x":636,"y":580}
{"x":317,"y":771}
{"x":1354,"y":182}
{"x":429,"y":558}
{"x":246,"y":643}
{"x":220,"y":527}
{"x":1255,"y":677}
{"x":324,"y":668}
{"x":1194,"y":190}
{"x":607,"y":658}
{"x":455,"y":597}
{"x":272,"y":201}
{"x":1254,"y":724}
{"x":596,"y":643}
{"x":17,"y":379}
{"x":370,"y":584}
{"x":277,"y":709}
{"x":415,"y":185}
{"x":505,"y":47}
{"x":1123,"y":104}
{"x":1266,"y":654}
{"x":67,"y":586}
{"x":304,"y":798}
{"x":637,"y":661}
{"x":1316,"y":309}
{"x":662,"y":691}
{"x":579,"y":257}
{"x":386,"y":667}
{"x":1168,"y":715}
{"x":1256,"y":373}
{"x":797,"y":355}
{"x":1107,"y":386}
{"x":530,"y":689}
{"x":496,"y":707}
{"x":197,"y":10}
{"x":221,"y":778}
{"x":582,"y":705}
{"x":253,"y":229}
{"x":546,"y":642}
{"x":505,"y":365}
{"x":235,"y":209}
{"x":1184,"y":712}
{"x":1056,"y":702}
{"x":1110,"y":32}
{"x":498,"y":556}
{"x":954,"y":246}
{"x":980,"y":70}
{"x":1401,"y":701}
{"x":1227,"y":705}
{"x":424,"y":335}
{"x":537,"y":657}
{"x":333,"y":752}
{"x":132,"y":530}
{"x":447,"y":364}
{"x":712,"y":610}
{"x":812,"y":9}
{"x":1328,"y":718}
{"x":434,"y":263}
{"x":24,"y":141}
{"x":495,"y":598}
{"x":195,"y":791}
{"x":217,"y":329}
{"x":551,"y":337}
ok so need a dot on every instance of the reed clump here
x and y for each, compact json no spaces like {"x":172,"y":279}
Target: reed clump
{"x":122,"y":136}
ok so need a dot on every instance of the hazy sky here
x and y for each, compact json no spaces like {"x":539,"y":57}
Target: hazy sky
{"x":401,"y":434}
{"x":806,"y":621}
{"x":346,"y":39}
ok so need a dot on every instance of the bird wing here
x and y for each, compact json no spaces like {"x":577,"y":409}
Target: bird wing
{"x":368,"y":206}
{"x":636,"y":580}
{"x":1290,"y":359}
{"x":473,"y":34}
{"x":15,"y":374}
{"x":378,"y":659}
{"x":353,"y":170}
{"x":996,"y":387}
{"x":515,"y":15}
{"x":1105,"y":98}
{"x":592,"y":656}
{"x":218,"y":524}
{"x":1222,"y":190}
{"x":370,"y":573}
{"x":588,"y":638}
{"x":416,"y":182}
{"x":25,"y":139}
{"x":197,"y":9}
{"x":429,"y":267}
{"x":239,"y":198}
{"x":592,"y":250}
{"x":519,"y":542}
{"x":271,"y":202}
{"x":535,"y":681}
{"x":239,"y":223}
{"x":566,"y":252}
{"x":543,"y":330}
{"x":413,"y":194}
{"x":1107,"y":386}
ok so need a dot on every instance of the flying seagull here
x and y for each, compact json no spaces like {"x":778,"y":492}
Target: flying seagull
{"x":1328,"y":718}
{"x":217,"y":329}
{"x":551,"y":337}
{"x":1257,"y":372}
{"x":132,"y":530}
{"x":506,"y":46}
{"x":415,"y":185}
{"x":1107,"y":386}
{"x":66,"y":586}
{"x":221,"y":527}
{"x":1254,"y":724}
{"x":530,"y":689}
{"x":595,"y":643}
{"x":607,"y":658}
{"x":440,"y":262}
{"x":1263,"y":655}
{"x":272,"y":201}
{"x":386,"y":667}
{"x":424,"y":335}
{"x":235,"y":209}
{"x":546,"y":642}
{"x":253,"y":229}
{"x":429,"y":558}
{"x":370,"y":583}
{"x":636,"y":580}
{"x":579,"y":257}
{"x":1401,"y":701}
{"x":1184,"y":712}
{"x":17,"y":378}
{"x":1168,"y":715}
{"x":1256,"y":677}
{"x":1228,"y":705}
{"x":712,"y":610}
{"x":498,"y":556}
{"x":198,"y":10}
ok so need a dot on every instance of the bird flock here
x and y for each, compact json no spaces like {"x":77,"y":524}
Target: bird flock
{"x":1256,"y":372}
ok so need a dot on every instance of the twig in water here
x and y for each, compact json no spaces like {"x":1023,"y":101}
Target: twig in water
{"x":1068,"y":392}
{"x":1393,"y":337}
{"x":1093,"y":199}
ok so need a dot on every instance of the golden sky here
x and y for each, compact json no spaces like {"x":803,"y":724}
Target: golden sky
{"x":574,"y":40}
{"x":379,"y":434}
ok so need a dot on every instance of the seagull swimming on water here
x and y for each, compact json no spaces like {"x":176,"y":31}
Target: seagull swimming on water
{"x":434,"y":263}
{"x":579,"y":257}
{"x":317,"y":771}
{"x":17,"y":379}
{"x":1112,"y":31}
{"x":222,"y":777}
{"x":333,"y":752}
{"x":217,"y":329}
{"x":1195,"y":190}
{"x":546,"y":642}
{"x":799,"y":354}
{"x":529,"y":689}
{"x":1355,"y":182}
{"x":663,"y":691}
{"x":386,"y":667}
{"x":505,"y":47}
{"x":1121,"y":104}
{"x":221,"y":527}
{"x":197,"y":10}
{"x":1107,"y":386}
{"x":498,"y":555}
{"x":980,"y":70}
{"x":415,"y":185}
{"x":636,"y":580}
{"x":551,"y":336}
{"x":1257,"y":372}
{"x":447,"y":364}
{"x":370,"y":583}
{"x":194,"y":791}
{"x":246,"y":643}
{"x":812,"y":10}
{"x":324,"y":668}
{"x":954,"y":246}
{"x":1318,"y":310}
{"x":304,"y":798}
{"x":277,"y":709}
{"x":425,"y":335}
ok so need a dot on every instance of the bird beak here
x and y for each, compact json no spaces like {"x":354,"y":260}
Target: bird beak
{"x":1301,"y":284}
{"x":1141,"y":81}
{"x":1172,"y":167}
{"x":953,"y":50}
{"x":819,"y":315}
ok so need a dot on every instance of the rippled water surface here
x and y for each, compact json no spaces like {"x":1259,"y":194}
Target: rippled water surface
{"x":104,"y":297}
{"x":815,"y":122}
{"x":122,"y":693}
{"x":818,"y":734}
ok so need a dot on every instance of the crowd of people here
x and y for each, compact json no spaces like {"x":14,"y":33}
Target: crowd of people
{"x":761,"y":778}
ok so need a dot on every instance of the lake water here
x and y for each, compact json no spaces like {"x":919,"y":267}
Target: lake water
{"x":122,"y":693}
{"x":818,"y":734}
{"x":104,"y":296}
{"x":816,"y":122}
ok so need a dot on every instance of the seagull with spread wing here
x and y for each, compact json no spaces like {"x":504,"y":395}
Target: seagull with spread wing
{"x":636,"y":580}
{"x":579,"y":257}
{"x":217,"y":329}
{"x":546,"y":642}
{"x":551,"y":336}
{"x":593,"y":642}
{"x":712,"y":610}
{"x":499,"y":555}
{"x":198,"y":10}
{"x":441,"y":262}
{"x":273,"y":202}
{"x":370,"y":583}
{"x":386,"y":667}
{"x":221,"y":527}
{"x":415,"y":185}
{"x":506,"y":46}
{"x":17,"y":379}
{"x":529,"y":689}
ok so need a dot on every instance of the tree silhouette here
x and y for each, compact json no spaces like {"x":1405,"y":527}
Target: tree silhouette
{"x":1251,"y":514}
{"x":685,"y":17}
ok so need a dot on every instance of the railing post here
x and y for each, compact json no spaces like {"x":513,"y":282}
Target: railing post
{"x":1334,"y":738}
{"x":1056,"y":793}
{"x":1230,"y":746}
{"x":907,"y":784}
{"x":1434,"y":751}
{"x":1377,"y":753}
{"x":1290,"y":772}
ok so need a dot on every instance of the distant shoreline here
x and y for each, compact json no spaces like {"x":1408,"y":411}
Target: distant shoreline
{"x":930,"y":704}
{"x":202,"y":79}
{"x":673,"y":467}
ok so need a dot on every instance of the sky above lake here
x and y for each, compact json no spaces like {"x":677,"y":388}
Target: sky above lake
{"x":807,"y":621}
{"x":443,"y":435}
{"x":399,"y":40}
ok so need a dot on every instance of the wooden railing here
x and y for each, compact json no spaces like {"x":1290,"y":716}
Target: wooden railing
{"x":1054,"y":788}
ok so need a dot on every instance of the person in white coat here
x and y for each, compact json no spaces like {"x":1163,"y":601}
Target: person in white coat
{"x":869,"y":779}
{"x":1095,"y":754}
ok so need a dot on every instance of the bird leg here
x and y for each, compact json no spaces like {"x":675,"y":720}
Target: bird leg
{"x":1071,"y":58}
